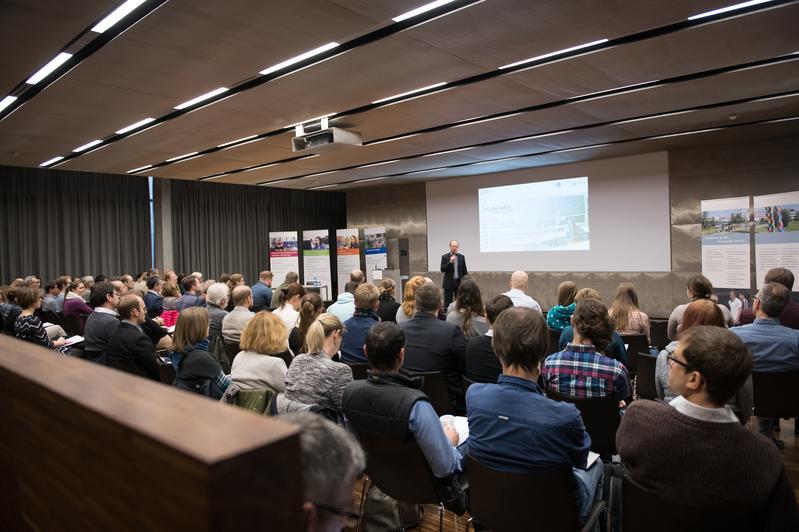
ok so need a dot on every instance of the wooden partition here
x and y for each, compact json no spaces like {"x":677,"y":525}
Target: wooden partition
{"x":85,"y":447}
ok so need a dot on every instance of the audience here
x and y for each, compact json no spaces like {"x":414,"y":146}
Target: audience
{"x":482,"y":364}
{"x":263,"y":360}
{"x":435,"y":345}
{"x":262,"y":291}
{"x":693,"y":451}
{"x":356,"y":328}
{"x":627,"y":317}
{"x":171,"y":277}
{"x":518,"y":287}
{"x":310,"y":308}
{"x":615,"y":349}
{"x":32,"y":281}
{"x":51,"y":293}
{"x":790,"y":316}
{"x":406,"y":310}
{"x":387,"y":310}
{"x":88,"y":283}
{"x":74,"y":303}
{"x":153,"y":300}
{"x":102,"y":323}
{"x":191,"y":285}
{"x":559,"y":316}
{"x":469,"y":313}
{"x":129,"y":348}
{"x":29,"y":327}
{"x":238,"y":318}
{"x":290,"y":279}
{"x":63,"y":283}
{"x":513,"y":427}
{"x":196,"y":370}
{"x":289,"y":310}
{"x":344,"y":306}
{"x":698,"y":287}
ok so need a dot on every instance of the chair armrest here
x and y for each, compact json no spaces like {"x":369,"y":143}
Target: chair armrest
{"x":593,"y":517}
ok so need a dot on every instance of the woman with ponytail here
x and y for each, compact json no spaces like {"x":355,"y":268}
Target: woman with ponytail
{"x":310,"y":308}
{"x":288,"y":311}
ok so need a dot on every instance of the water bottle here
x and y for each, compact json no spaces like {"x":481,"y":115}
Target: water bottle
{"x":315,"y":282}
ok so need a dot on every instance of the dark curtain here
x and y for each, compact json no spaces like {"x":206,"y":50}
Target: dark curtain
{"x":54,"y":222}
{"x":223,"y":228}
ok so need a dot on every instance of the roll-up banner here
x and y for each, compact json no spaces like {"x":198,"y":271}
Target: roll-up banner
{"x":316,"y":260}
{"x":726,"y":234}
{"x":283,"y":255}
{"x":374,"y":250}
{"x":776,"y":234}
{"x":348,"y":255}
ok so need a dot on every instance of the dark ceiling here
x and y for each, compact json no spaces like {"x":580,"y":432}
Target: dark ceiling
{"x":660,"y":81}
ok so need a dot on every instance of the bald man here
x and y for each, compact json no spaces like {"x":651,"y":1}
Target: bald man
{"x":453,"y":266}
{"x":518,"y":287}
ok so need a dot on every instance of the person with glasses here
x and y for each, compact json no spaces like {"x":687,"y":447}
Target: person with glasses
{"x":693,"y":452}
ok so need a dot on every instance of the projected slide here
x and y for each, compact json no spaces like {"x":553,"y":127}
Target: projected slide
{"x":546,"y":216}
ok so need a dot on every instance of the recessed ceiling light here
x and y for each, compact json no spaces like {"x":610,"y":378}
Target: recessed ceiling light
{"x":375,"y":142}
{"x":273,"y":182}
{"x":320,"y":173}
{"x":201,"y":98}
{"x":323,"y":186}
{"x":87,"y":146}
{"x":52,"y":161}
{"x":261,"y":167}
{"x":139,"y":169}
{"x":419,"y":10}
{"x":448,"y":151}
{"x":138,"y":124}
{"x":8,"y":100}
{"x":235,"y":141}
{"x":47,"y":69}
{"x":371,"y":179}
{"x":301,"y":57}
{"x":552,"y":54}
{"x":209,"y":178}
{"x":685,"y":133}
{"x":473,"y":122}
{"x":378,"y":164}
{"x":182,"y":156}
{"x":728,"y":8}
{"x":117,"y":15}
{"x":414,"y":91}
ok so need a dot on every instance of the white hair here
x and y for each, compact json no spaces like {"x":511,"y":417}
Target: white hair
{"x":217,"y":293}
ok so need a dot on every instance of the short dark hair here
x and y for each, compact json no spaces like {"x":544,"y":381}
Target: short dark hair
{"x":188,"y":282}
{"x":100,"y":292}
{"x":27,"y":296}
{"x":520,"y":338}
{"x":720,"y":356}
{"x":100,"y":278}
{"x":700,"y":286}
{"x":592,"y":322}
{"x":351,"y":287}
{"x":127,"y":305}
{"x":784,"y":276}
{"x":50,"y":285}
{"x":291,"y":277}
{"x":383,"y":344}
{"x":152,"y":282}
{"x":427,"y":298}
{"x":495,"y":307}
{"x":774,"y":299}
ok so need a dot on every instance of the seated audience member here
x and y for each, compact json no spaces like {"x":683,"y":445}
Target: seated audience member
{"x":390,"y":405}
{"x":699,"y":287}
{"x":387,"y":310}
{"x":153,"y":300}
{"x":5,"y":306}
{"x":195,"y":368}
{"x":101,"y":323}
{"x":627,"y":317}
{"x":513,"y":427}
{"x":314,"y":378}
{"x":790,"y":316}
{"x":700,"y":312}
{"x":518,"y":287}
{"x":482,"y":364}
{"x":469,"y":312}
{"x":774,"y":347}
{"x":235,"y":280}
{"x":51,"y":293}
{"x":129,"y":348}
{"x":357,"y":276}
{"x":615,"y":349}
{"x":289,"y":310}
{"x":171,"y":294}
{"x":407,"y":308}
{"x":238,"y":318}
{"x":191,"y":285}
{"x":331,"y":462}
{"x":74,"y":303}
{"x":63,"y":283}
{"x":560,"y":316}
{"x":152,"y":327}
{"x":262,"y":362}
{"x":581,"y":370}
{"x":30,"y":328}
{"x":435,"y":345}
{"x":89,"y":282}
{"x":171,"y":277}
{"x":290,"y":279}
{"x":310,"y":308}
{"x":262,"y":291}
{"x":12,"y":309}
{"x":356,"y":328}
{"x":693,"y":451}
{"x":216,"y":300}
{"x":31,"y":281}
{"x":344,"y":306}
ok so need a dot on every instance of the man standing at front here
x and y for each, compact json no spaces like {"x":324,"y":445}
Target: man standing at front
{"x":453,"y":266}
{"x":735,"y":307}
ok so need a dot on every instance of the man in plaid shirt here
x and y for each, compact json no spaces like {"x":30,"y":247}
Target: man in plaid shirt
{"x":581,"y":370}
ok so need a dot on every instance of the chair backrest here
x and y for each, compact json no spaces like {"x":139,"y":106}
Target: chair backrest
{"x":231,"y":350}
{"x":554,"y":341}
{"x":496,"y":499}
{"x":775,"y":394}
{"x":166,"y":371}
{"x":601,"y":418}
{"x":643,"y":510}
{"x":71,"y":324}
{"x":434,"y":385}
{"x":399,"y":469}
{"x":466,"y":383}
{"x":658,"y":332}
{"x":634,"y":343}
{"x":358,"y":370}
{"x":645,"y":378}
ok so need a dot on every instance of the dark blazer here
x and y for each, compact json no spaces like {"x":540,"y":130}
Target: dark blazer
{"x":482,"y":364}
{"x":435,"y":345}
{"x":130,"y":350}
{"x":448,"y":269}
{"x":154,"y":303}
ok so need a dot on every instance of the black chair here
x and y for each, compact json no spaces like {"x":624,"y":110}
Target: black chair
{"x":466,"y":383}
{"x":643,"y":510}
{"x":775,"y":394}
{"x":497,"y":500}
{"x":634,"y":343}
{"x":71,"y":324}
{"x":554,"y":341}
{"x":358,"y":370}
{"x":434,"y":385}
{"x":166,"y":371}
{"x":645,"y":378}
{"x":231,"y":350}
{"x":601,"y":418}
{"x":658,"y":333}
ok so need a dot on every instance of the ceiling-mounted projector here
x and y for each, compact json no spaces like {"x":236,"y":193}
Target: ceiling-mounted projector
{"x":325,"y":139}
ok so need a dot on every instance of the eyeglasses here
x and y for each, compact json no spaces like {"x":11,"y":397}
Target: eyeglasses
{"x":352,"y":517}
{"x":680,"y":362}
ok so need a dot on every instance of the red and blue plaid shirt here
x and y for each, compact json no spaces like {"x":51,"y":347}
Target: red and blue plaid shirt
{"x":580,"y":371}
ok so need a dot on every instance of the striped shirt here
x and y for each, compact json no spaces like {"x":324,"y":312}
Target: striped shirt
{"x":31,"y":329}
{"x":580,"y":371}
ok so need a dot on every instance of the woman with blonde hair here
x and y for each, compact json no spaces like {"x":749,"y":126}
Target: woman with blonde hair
{"x":560,"y":315}
{"x":263,"y":359}
{"x":196,"y":370}
{"x":627,"y":317}
{"x":310,"y":308}
{"x":314,"y":378}
{"x":406,"y":310}
{"x":388,"y":306}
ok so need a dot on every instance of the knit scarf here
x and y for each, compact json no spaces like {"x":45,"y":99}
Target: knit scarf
{"x":365,"y":313}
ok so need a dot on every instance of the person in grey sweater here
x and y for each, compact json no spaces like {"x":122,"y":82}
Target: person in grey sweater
{"x":102,"y":323}
{"x":238,"y":318}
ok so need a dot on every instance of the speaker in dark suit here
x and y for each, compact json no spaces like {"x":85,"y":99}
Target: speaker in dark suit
{"x":453,"y":266}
